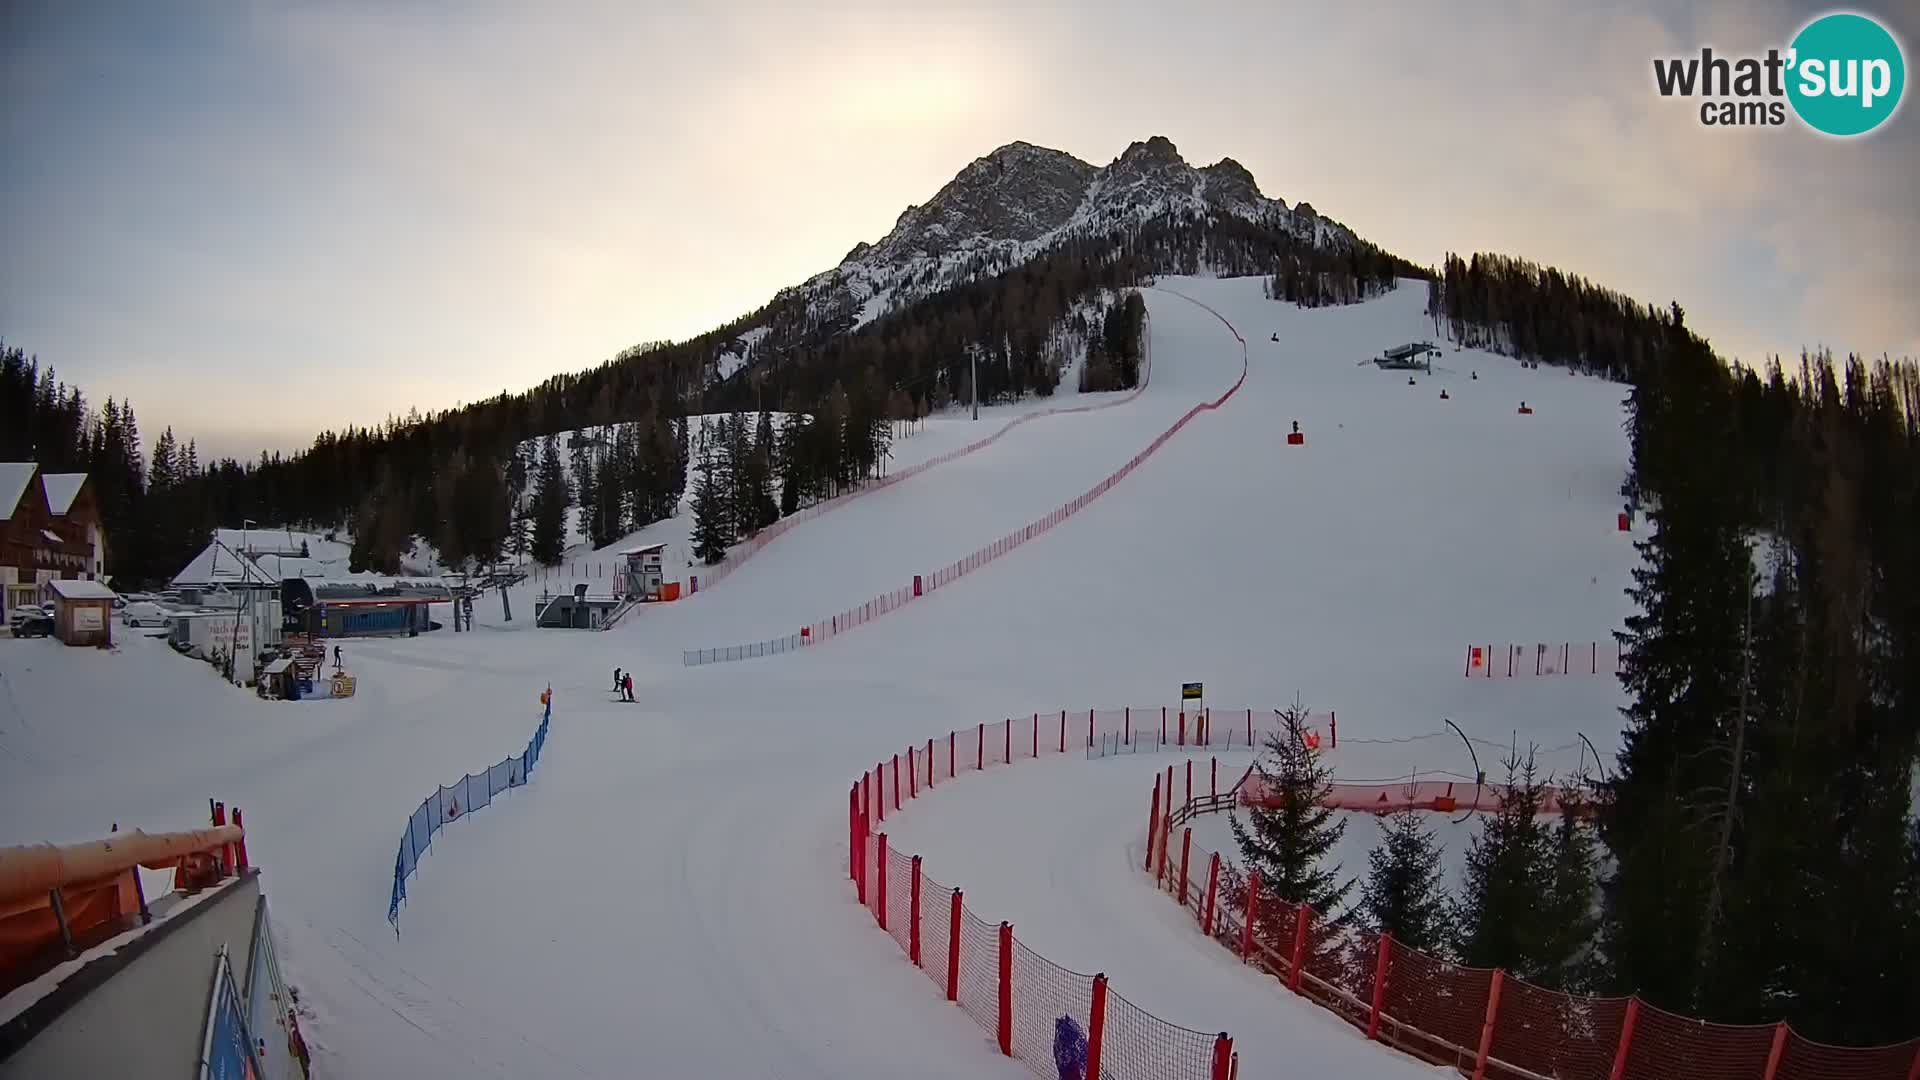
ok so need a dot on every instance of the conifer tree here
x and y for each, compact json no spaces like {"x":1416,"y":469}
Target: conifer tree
{"x":712,"y":528}
{"x":1288,"y":835}
{"x":550,"y":502}
{"x":1404,"y":893}
{"x":1501,"y":915}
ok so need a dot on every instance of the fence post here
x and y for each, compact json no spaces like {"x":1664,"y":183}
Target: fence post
{"x":1379,"y":984}
{"x":853,"y":833}
{"x":1213,"y":895}
{"x":1096,"y":1025}
{"x":1009,"y":741}
{"x":1063,"y":731}
{"x":1486,"y":1030}
{"x":1036,"y":734}
{"x":930,"y":769}
{"x":1089,"y":729}
{"x":1166,"y":838}
{"x":896,"y":782}
{"x":1253,"y":910}
{"x":980,"y":748}
{"x":955,"y":913}
{"x":240,"y":845}
{"x":880,"y":789}
{"x":880,"y":902}
{"x":1127,"y":725}
{"x":1213,"y":784}
{"x":1153,"y":821}
{"x":1779,"y":1042}
{"x":1250,"y":745}
{"x":1626,"y":1040}
{"x":1188,"y":802}
{"x":1302,"y":917}
{"x":951,"y":766}
{"x":1186,"y":852}
{"x":913,"y":916}
{"x":1006,"y":989}
{"x":1333,"y":728}
{"x":1163,"y":725}
{"x":1183,"y":727}
{"x":866,"y":792}
{"x":1222,"y":1057}
{"x":913,"y":776}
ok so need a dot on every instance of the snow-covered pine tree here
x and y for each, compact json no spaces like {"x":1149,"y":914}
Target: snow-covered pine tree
{"x":1504,"y":904}
{"x":1404,"y":893}
{"x":712,"y":528}
{"x":1287,"y":838}
{"x":550,"y":501}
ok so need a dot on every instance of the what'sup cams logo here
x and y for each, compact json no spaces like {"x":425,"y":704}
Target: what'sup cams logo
{"x":1843,"y":75}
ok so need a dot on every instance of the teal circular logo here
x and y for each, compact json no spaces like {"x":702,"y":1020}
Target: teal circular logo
{"x":1846,"y":74}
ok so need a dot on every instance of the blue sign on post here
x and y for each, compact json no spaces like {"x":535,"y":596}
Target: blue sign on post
{"x":227,"y":1053}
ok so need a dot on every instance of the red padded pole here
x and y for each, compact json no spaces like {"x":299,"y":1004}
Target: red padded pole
{"x":1213,"y":784}
{"x":853,"y":833}
{"x":1486,"y":1030}
{"x":1222,"y":1057}
{"x":1626,"y":1042}
{"x":1779,"y":1044}
{"x":913,"y":916}
{"x":1153,"y":822}
{"x":1253,"y":912}
{"x":880,"y":902}
{"x":1213,"y":895}
{"x":1006,"y":989}
{"x":954,"y":915}
{"x":1186,"y":853}
{"x":913,"y":776}
{"x":1379,"y":984}
{"x":1302,"y":917}
{"x":896,"y":781}
{"x":880,"y":789}
{"x":240,"y":845}
{"x":1183,"y":727}
{"x":1096,"y":1025}
{"x":1189,"y":799}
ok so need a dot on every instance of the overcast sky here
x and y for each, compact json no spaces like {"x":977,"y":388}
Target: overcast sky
{"x":256,"y":221}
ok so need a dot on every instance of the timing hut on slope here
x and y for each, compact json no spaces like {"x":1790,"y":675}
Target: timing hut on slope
{"x":1413,"y":356}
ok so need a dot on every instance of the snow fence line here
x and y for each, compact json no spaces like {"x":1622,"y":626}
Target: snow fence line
{"x":1543,"y":658}
{"x":1054,"y":1021}
{"x":814,"y":633}
{"x":462,"y":797}
{"x":740,"y":553}
{"x":1483,"y":1022}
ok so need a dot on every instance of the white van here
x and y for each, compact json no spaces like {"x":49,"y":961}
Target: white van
{"x":145,"y":613}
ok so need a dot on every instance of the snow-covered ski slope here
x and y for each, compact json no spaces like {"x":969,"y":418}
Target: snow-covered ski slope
{"x":669,"y":897}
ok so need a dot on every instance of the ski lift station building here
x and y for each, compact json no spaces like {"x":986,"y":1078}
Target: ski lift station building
{"x":1413,"y":356}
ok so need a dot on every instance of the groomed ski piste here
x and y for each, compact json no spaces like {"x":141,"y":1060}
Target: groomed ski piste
{"x":670,"y":897}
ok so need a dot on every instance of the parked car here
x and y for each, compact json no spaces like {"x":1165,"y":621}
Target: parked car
{"x":31,"y":622}
{"x":145,"y":613}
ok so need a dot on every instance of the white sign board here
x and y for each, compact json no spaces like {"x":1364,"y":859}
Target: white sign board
{"x":87,"y":618}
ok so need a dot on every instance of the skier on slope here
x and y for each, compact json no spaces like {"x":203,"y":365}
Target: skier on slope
{"x":626,"y":685}
{"x":617,"y":684}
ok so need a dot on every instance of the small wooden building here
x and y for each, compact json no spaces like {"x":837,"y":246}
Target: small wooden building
{"x":82,"y":611}
{"x":643,"y":572}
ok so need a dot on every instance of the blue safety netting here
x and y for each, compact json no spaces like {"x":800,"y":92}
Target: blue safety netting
{"x":457,"y":800}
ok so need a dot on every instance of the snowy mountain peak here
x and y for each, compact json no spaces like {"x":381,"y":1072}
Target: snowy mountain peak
{"x":1013,"y":205}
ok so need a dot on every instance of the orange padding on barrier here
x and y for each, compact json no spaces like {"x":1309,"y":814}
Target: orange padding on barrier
{"x":30,"y":869}
{"x":1445,"y":796}
{"x":30,"y":926}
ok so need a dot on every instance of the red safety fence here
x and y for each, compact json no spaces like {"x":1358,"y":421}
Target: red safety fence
{"x":1481,"y":1021}
{"x":1543,"y":658}
{"x":1012,"y":992}
{"x":859,"y":615}
{"x":740,"y":553}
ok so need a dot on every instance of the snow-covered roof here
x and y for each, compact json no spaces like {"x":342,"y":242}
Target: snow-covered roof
{"x":14,"y":478}
{"x":219,"y":563}
{"x":80,"y":590}
{"x":62,"y":489}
